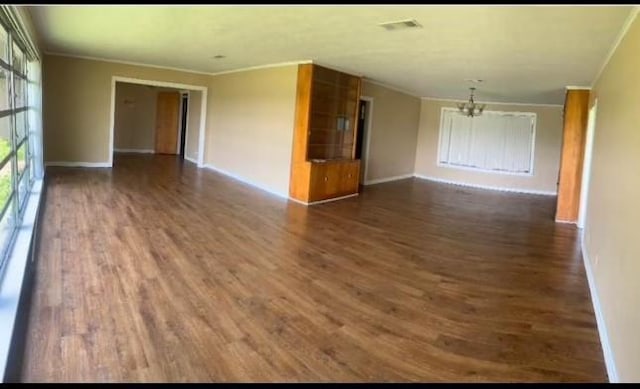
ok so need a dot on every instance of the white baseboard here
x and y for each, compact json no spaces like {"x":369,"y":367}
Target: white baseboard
{"x":503,"y":189}
{"x":323,"y":201}
{"x":191,"y":159}
{"x":143,"y":151}
{"x":77,"y":164}
{"x":388,"y":179}
{"x":244,"y":180}
{"x":609,"y":361}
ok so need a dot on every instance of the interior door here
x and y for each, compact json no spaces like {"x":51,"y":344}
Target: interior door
{"x":167,"y":116}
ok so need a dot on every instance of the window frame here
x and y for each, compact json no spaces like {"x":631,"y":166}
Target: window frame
{"x":530,"y":173}
{"x":16,"y":201}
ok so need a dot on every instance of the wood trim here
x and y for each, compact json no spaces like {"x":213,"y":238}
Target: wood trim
{"x":576,"y":114}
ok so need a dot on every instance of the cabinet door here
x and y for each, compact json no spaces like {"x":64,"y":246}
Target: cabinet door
{"x":326,"y":181}
{"x":333,"y":179}
{"x":320,"y":182}
{"x":350,"y":178}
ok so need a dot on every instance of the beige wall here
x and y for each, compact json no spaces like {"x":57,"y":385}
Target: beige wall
{"x":193,"y":125}
{"x":77,"y":104}
{"x":613,"y":211}
{"x":250,"y":125}
{"x":548,"y":144}
{"x":394,"y":128}
{"x":135,"y":117}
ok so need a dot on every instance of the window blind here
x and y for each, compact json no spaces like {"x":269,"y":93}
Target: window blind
{"x":501,"y":142}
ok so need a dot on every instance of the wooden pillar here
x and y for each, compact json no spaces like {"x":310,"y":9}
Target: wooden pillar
{"x":576,"y":112}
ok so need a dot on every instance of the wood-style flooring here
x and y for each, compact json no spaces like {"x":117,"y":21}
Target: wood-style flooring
{"x":158,"y":271}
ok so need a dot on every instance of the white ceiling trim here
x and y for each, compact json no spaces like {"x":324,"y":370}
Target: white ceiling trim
{"x":623,"y":31}
{"x":124,"y":62}
{"x":494,"y":102}
{"x":390,"y":87}
{"x":336,"y":68}
{"x":273,"y":65}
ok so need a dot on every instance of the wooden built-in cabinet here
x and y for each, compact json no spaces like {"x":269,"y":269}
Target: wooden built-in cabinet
{"x":323,"y":163}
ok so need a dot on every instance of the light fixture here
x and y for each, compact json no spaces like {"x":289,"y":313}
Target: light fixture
{"x":470,"y":108}
{"x":400,"y":24}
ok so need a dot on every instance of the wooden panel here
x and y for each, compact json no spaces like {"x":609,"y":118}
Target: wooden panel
{"x":167,"y":115}
{"x":350,"y":178}
{"x":333,"y":179}
{"x":300,"y":168}
{"x":324,"y":181}
{"x":576,"y":113}
{"x":323,"y":97}
{"x":227,"y":283}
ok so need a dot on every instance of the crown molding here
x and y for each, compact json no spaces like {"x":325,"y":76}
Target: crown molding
{"x":90,"y":58}
{"x":275,"y":65}
{"x":394,"y":88}
{"x":623,"y":32}
{"x":574,"y":87}
{"x":336,"y":68}
{"x":493,"y":102}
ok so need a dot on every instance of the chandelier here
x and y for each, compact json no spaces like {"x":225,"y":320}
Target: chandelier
{"x":470,"y":108}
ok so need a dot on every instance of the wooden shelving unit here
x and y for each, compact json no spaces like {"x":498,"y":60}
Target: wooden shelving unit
{"x":323,"y":164}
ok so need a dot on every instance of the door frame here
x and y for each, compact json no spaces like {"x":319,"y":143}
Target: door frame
{"x":366,"y":139}
{"x":586,"y":163}
{"x":140,"y":81}
{"x":186,"y":130}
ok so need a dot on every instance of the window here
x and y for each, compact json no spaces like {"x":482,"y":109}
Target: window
{"x":498,"y":142}
{"x":16,"y":159}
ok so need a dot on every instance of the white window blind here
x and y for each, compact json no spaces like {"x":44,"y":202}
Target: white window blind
{"x":501,"y":142}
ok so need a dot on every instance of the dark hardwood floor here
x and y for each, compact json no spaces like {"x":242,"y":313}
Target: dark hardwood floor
{"x":159,"y":271}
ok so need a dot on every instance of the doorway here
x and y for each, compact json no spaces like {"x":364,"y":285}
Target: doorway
{"x":183,"y":123}
{"x":193,"y":136}
{"x":363,"y":136}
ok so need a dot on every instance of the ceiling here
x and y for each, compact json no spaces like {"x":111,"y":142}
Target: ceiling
{"x":525,"y":54}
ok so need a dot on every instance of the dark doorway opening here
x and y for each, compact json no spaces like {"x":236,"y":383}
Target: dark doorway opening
{"x":362,"y":111}
{"x":183,"y":124}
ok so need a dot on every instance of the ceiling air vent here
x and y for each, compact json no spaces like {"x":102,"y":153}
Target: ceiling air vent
{"x":400,"y":24}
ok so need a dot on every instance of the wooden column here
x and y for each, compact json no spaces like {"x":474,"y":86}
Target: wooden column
{"x":576,"y":112}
